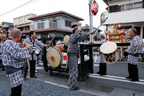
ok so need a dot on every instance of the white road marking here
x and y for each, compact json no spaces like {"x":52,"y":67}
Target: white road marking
{"x":64,"y":86}
{"x":115,"y":78}
{"x":39,"y":67}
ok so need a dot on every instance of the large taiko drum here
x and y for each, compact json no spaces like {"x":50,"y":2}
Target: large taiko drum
{"x":109,"y":52}
{"x":54,"y":55}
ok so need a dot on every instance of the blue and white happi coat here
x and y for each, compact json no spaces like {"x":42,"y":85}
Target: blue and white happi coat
{"x":135,"y":46}
{"x":72,"y":56}
{"x":73,"y":44}
{"x":14,"y":58}
{"x":36,"y":44}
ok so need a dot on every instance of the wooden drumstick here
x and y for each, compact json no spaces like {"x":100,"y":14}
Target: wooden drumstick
{"x":24,"y":44}
{"x":28,"y":63}
{"x":51,"y":41}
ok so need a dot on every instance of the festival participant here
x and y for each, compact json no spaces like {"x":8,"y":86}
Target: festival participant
{"x":32,"y":60}
{"x":76,"y":37}
{"x":134,"y":52}
{"x":14,"y":60}
{"x":102,"y":66}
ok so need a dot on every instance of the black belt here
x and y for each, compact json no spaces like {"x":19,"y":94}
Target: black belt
{"x":136,"y":55}
{"x":11,"y":70}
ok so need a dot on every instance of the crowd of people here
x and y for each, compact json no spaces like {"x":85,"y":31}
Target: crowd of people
{"x":18,"y":56}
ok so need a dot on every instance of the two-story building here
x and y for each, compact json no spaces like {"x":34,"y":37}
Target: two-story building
{"x":56,"y":23}
{"x":22,"y":22}
{"x":130,"y":13}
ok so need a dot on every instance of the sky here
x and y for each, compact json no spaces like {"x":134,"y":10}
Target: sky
{"x":77,"y":7}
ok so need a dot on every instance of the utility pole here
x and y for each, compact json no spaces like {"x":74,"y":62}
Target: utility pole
{"x":91,"y":20}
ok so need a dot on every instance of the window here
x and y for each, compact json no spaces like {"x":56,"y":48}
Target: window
{"x":129,"y":6}
{"x":138,"y":5}
{"x":114,"y":8}
{"x":122,"y":8}
{"x":40,"y":24}
{"x":67,"y":23}
{"x":53,"y":23}
{"x":138,"y":30}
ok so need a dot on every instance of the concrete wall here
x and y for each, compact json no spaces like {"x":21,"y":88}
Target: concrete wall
{"x":136,"y":15}
{"x":23,"y":19}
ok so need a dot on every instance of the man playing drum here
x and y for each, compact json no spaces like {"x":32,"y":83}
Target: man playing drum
{"x":134,"y":52}
{"x":77,"y":36}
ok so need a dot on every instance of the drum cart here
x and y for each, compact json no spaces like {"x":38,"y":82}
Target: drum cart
{"x":85,"y":67}
{"x":89,"y":69}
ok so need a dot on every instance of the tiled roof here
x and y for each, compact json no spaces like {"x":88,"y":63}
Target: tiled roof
{"x":56,"y":13}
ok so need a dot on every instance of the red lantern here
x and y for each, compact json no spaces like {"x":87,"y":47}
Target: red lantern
{"x":124,"y":33}
{"x":119,"y":25}
{"x":94,"y":8}
{"x":106,"y":32}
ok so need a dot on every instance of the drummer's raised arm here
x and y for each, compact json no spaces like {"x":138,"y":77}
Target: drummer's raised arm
{"x":46,"y":45}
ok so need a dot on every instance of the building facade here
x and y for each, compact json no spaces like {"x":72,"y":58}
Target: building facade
{"x":130,"y":13}
{"x":56,"y":23}
{"x":22,"y":22}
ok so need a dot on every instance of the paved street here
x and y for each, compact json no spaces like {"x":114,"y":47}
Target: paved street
{"x":121,"y":69}
{"x":39,"y":87}
{"x":95,"y":85}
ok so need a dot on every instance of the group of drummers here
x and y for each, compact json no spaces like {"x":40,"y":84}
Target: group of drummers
{"x":17,"y":56}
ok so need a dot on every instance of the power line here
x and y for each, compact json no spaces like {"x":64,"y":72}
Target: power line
{"x":16,"y":8}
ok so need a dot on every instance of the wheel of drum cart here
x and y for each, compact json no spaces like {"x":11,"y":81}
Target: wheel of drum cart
{"x":87,"y":75}
{"x":84,"y":78}
{"x":51,"y":72}
{"x":80,"y":78}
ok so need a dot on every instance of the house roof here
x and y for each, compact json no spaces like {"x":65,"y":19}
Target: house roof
{"x":106,"y":1}
{"x":56,"y":13}
{"x":48,"y":30}
{"x":7,"y":24}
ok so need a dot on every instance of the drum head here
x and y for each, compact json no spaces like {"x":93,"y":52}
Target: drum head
{"x":54,"y":57}
{"x":66,"y":40}
{"x":108,"y":47}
